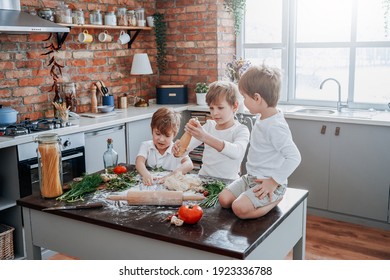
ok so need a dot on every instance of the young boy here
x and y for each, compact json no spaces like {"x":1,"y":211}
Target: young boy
{"x":272,"y":155}
{"x":224,"y":137}
{"x":158,"y":152}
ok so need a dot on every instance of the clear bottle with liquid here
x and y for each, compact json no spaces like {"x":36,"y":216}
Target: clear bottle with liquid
{"x":110,"y":157}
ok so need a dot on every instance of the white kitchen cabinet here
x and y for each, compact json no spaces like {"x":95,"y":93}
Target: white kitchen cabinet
{"x":344,"y":166}
{"x":137,"y":132}
{"x":96,"y":145}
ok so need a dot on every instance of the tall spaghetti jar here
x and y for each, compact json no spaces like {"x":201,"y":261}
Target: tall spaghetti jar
{"x":49,"y":165}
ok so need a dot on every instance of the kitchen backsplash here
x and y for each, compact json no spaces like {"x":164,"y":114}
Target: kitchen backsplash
{"x":200,"y":40}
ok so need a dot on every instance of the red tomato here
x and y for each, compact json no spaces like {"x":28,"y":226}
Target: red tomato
{"x":119,"y":169}
{"x":190,"y":214}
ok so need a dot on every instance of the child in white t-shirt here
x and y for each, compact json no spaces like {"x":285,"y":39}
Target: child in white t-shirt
{"x":272,"y":155}
{"x":157,"y":153}
{"x":225,"y":139}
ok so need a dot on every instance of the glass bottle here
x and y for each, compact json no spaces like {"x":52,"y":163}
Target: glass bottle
{"x":57,"y":98}
{"x":49,"y":165}
{"x":69,"y":91}
{"x":110,"y":157}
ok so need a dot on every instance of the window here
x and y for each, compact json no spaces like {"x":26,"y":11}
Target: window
{"x":311,"y":40}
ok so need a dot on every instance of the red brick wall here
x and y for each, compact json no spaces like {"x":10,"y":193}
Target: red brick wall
{"x":200,"y":42}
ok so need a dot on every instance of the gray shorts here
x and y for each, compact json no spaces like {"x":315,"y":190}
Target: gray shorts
{"x":244,"y":185}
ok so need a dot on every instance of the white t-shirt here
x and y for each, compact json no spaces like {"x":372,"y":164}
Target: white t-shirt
{"x":225,"y":164}
{"x":272,"y":151}
{"x":154,"y":159}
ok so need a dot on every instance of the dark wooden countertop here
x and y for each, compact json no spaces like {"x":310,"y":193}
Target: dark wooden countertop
{"x":219,"y":231}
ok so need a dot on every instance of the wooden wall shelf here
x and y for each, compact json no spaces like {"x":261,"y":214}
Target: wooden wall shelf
{"x":61,"y":37}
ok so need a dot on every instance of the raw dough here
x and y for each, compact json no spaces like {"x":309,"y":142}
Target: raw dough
{"x":180,"y":182}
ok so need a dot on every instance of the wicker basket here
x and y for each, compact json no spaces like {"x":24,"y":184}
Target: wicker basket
{"x":6,"y":242}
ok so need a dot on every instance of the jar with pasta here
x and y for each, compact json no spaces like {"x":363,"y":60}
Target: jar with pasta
{"x":49,"y":165}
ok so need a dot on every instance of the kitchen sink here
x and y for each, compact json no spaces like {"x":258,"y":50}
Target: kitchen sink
{"x":314,"y":111}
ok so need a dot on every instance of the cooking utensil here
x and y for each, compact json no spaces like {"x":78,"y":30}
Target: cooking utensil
{"x":156,"y":197}
{"x":104,"y":89}
{"x":73,"y":207}
{"x":8,"y":115}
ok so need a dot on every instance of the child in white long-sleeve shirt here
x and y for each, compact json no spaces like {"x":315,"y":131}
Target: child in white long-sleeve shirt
{"x":224,"y":137}
{"x":272,"y":155}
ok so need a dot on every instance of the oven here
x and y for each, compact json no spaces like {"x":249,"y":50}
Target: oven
{"x":73,"y":162}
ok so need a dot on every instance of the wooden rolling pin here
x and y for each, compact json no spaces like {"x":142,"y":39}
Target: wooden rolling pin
{"x":155,"y":197}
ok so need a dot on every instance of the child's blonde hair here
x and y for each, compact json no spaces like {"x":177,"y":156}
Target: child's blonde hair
{"x":263,"y":80}
{"x":166,"y":121}
{"x":225,"y":89}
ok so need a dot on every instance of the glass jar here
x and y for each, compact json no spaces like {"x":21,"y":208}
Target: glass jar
{"x":122,"y":16}
{"x":110,"y":157}
{"x":110,"y":19}
{"x":69,"y":92}
{"x":46,"y":13}
{"x":57,"y":98}
{"x":49,"y":165}
{"x":95,"y":17}
{"x":63,"y":14}
{"x":131,"y":18}
{"x":140,"y":13}
{"x":78,"y":17}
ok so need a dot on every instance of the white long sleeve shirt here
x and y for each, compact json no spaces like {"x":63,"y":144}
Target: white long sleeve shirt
{"x":272,"y":151}
{"x":225,"y":164}
{"x":154,"y":159}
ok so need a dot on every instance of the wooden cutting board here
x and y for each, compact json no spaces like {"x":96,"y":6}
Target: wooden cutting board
{"x":98,"y":115}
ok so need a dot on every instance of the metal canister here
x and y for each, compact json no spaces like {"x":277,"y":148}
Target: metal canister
{"x":49,"y":165}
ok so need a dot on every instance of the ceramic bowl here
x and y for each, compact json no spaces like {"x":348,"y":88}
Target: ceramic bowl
{"x":105,"y":109}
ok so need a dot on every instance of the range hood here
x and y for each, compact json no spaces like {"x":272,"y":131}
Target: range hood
{"x":14,"y":21}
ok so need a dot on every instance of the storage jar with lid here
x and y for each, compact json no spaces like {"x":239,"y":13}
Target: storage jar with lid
{"x":78,"y":17}
{"x":131,"y":18}
{"x":49,"y":165}
{"x":122,"y":16}
{"x":63,"y":14}
{"x":110,"y":19}
{"x":46,"y":13}
{"x":69,"y":91}
{"x":95,"y":17}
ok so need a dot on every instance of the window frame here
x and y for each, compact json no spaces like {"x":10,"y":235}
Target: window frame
{"x":288,"y":46}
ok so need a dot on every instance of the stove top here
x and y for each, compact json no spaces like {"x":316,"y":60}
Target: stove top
{"x":27,"y":126}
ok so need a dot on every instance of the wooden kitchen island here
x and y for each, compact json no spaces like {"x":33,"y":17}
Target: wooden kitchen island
{"x":140,"y":232}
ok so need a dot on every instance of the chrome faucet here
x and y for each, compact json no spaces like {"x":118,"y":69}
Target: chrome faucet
{"x":339,"y":103}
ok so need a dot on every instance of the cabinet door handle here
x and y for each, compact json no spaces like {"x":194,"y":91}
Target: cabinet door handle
{"x":323,"y":129}
{"x":337,"y":131}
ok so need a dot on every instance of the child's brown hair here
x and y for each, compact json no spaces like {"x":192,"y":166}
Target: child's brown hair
{"x":263,"y":80}
{"x":166,"y":121}
{"x":225,"y":89}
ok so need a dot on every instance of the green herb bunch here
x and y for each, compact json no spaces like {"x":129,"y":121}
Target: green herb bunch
{"x":78,"y":190}
{"x":123,"y":181}
{"x":213,"y":188}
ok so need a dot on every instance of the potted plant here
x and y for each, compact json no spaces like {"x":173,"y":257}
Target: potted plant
{"x":201,"y":89}
{"x":160,"y":29}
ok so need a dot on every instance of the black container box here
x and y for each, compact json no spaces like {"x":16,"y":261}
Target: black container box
{"x":172,"y":94}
